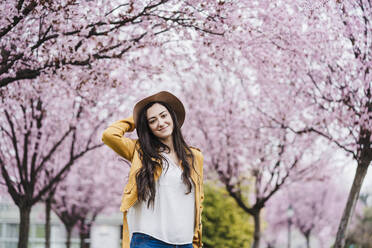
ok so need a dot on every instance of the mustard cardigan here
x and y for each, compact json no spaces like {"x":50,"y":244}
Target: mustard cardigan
{"x":113,"y":136}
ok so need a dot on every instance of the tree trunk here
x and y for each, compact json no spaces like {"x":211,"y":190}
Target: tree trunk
{"x":24,"y":226}
{"x":350,"y":205}
{"x":48,"y":209}
{"x":85,"y":236}
{"x":257,"y":229}
{"x":68,"y":236}
{"x":307,"y":236}
{"x":289,"y":232}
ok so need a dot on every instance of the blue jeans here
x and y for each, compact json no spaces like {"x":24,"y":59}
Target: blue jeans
{"x":141,"y":240}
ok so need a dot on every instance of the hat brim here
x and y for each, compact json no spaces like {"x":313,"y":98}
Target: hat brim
{"x":163,"y":96}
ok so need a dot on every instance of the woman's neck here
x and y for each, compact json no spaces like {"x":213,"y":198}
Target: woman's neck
{"x":172,"y":153}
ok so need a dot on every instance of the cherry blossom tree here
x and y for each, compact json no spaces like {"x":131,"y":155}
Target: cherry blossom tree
{"x":351,"y":103}
{"x":316,"y":207}
{"x":322,"y":50}
{"x":92,"y":186}
{"x":289,"y":70}
{"x":244,"y":148}
{"x":336,"y":86}
{"x":313,"y":50}
{"x":35,"y":128}
{"x":39,"y":38}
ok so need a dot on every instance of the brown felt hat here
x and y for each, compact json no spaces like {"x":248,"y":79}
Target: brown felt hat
{"x":162,"y":96}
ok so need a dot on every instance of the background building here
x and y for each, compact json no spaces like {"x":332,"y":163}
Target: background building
{"x":106,"y":231}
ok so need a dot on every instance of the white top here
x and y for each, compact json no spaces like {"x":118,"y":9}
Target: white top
{"x":172,"y":218}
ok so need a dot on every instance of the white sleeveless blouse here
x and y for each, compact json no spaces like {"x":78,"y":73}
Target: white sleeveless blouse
{"x":172,"y":218}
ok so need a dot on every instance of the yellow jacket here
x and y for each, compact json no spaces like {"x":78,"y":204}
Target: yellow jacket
{"x":113,"y":136}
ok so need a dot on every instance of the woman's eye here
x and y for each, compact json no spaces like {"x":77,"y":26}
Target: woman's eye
{"x":152,"y":122}
{"x":164,"y":115}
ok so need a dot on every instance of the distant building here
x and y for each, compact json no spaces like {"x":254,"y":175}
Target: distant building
{"x":106,"y":231}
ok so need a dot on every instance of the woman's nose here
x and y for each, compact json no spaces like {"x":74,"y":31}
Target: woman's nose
{"x":161,"y":122}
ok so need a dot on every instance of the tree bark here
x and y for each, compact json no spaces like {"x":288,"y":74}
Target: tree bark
{"x":257,"y":229}
{"x":48,"y":208}
{"x":24,"y":226}
{"x":351,"y":202}
{"x":307,"y":236}
{"x":68,"y":236}
{"x":85,"y":236}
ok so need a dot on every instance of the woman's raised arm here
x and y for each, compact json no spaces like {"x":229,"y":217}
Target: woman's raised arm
{"x":113,"y":136}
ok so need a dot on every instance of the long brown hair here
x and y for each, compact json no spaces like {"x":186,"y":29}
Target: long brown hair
{"x":149,"y":149}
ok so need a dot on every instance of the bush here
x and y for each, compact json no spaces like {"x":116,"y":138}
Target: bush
{"x":225,"y":224}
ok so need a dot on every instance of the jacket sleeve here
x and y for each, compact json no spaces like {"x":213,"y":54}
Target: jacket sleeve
{"x":113,"y":136}
{"x":197,"y":239}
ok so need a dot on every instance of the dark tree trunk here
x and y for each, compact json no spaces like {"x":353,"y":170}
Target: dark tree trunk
{"x":48,"y":209}
{"x":307,"y":236}
{"x":351,"y":202}
{"x":68,"y":235}
{"x":257,"y":229}
{"x":24,"y":226}
{"x":85,"y":236}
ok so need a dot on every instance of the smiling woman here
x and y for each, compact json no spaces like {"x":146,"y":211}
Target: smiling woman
{"x":162,"y":201}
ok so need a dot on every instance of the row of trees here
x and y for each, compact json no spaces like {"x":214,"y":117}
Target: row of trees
{"x":280,"y":85}
{"x":300,"y":75}
{"x":56,"y":59}
{"x":50,"y":152}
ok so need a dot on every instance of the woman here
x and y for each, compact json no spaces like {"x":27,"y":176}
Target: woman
{"x":162,"y":201}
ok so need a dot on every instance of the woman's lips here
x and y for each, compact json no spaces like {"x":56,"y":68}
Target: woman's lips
{"x":163,"y":128}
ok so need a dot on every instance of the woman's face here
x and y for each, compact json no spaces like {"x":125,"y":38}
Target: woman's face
{"x":160,"y":121}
